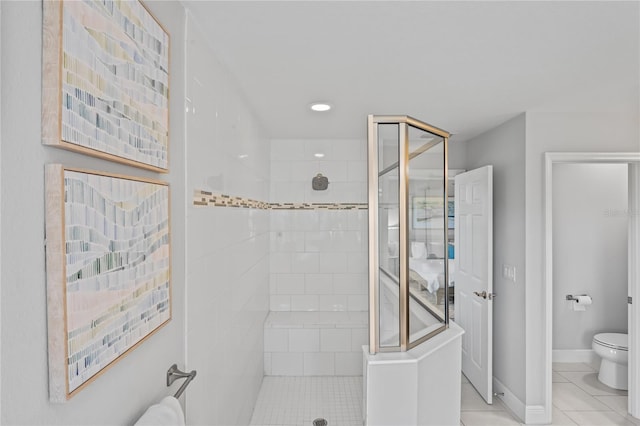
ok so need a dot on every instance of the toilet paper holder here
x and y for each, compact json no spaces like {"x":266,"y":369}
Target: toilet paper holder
{"x":572,"y":297}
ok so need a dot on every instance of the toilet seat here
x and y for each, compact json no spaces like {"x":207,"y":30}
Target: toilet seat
{"x":617,"y":341}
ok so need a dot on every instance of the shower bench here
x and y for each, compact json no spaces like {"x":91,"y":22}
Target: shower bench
{"x":314,"y":343}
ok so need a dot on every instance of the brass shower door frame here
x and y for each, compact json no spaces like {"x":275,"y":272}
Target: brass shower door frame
{"x":404,"y":123}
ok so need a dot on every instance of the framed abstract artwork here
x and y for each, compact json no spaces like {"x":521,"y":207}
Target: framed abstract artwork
{"x":427,"y":212}
{"x":105,"y":81}
{"x":108,"y":263}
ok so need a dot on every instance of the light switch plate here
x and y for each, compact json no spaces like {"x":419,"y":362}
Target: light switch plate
{"x":509,"y":272}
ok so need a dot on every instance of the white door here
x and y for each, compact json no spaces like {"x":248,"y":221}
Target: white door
{"x":474,"y":275}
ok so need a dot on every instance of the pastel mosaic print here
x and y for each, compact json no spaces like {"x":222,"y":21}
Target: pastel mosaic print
{"x":206,"y":198}
{"x":115,"y":80}
{"x":117,"y":268}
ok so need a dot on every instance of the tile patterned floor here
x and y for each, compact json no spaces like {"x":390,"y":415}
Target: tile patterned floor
{"x":297,"y":401}
{"x":578,"y":399}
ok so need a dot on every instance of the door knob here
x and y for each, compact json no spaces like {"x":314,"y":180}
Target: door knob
{"x":485,"y":295}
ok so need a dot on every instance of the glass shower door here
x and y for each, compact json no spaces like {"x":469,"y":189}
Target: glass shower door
{"x":389,"y":235}
{"x":427,"y":234}
{"x":408,"y":266}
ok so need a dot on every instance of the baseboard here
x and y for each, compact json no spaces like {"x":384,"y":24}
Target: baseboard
{"x":528,"y":414}
{"x":575,"y":355}
{"x":537,"y":415}
{"x":510,"y":400}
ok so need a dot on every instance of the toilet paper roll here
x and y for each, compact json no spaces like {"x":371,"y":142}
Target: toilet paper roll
{"x":582,"y":302}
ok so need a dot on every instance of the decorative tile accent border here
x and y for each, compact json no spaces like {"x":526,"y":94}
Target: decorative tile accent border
{"x":206,"y":198}
{"x":319,"y":206}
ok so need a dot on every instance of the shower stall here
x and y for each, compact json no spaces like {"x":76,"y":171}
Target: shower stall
{"x":412,"y":363}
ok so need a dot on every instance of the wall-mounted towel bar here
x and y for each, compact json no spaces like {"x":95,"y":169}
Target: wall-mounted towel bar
{"x":174,"y":374}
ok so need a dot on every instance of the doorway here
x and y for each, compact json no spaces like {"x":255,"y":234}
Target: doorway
{"x":633,"y":162}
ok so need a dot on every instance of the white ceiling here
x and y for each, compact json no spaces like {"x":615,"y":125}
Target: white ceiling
{"x":462,"y":66}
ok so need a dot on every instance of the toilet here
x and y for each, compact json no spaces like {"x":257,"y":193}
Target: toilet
{"x":613,"y":348}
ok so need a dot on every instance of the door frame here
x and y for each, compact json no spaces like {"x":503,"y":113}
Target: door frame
{"x":633,"y":159}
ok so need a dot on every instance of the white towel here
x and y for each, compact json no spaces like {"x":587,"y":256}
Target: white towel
{"x":167,"y":412}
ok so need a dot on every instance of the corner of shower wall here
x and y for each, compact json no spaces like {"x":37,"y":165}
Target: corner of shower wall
{"x":227,"y":177}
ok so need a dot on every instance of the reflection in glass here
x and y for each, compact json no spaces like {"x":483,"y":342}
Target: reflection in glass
{"x":426,"y":232}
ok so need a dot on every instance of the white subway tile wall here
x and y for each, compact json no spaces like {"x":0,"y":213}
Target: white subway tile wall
{"x":335,"y":340}
{"x":295,"y":162}
{"x":280,"y":303}
{"x":319,"y":364}
{"x":228,"y":266}
{"x":307,"y":302}
{"x":348,"y":364}
{"x":304,"y":340}
{"x":314,"y":343}
{"x":318,"y":282}
{"x":318,"y":256}
{"x":318,"y":262}
{"x":276,"y":340}
{"x":287,"y":364}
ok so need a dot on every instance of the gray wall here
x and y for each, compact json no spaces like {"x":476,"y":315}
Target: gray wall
{"x":590,"y":233}
{"x":457,"y":154}
{"x":228,"y":248}
{"x":503,"y":147}
{"x":120,"y":395}
{"x":611,"y":126}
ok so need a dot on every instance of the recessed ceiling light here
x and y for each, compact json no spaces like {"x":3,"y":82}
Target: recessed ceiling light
{"x":320,"y":106}
{"x":318,"y":155}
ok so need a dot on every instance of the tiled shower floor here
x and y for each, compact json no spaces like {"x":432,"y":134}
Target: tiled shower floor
{"x":297,"y":401}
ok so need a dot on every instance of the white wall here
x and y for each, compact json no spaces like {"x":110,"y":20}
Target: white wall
{"x":294,"y":163}
{"x":319,"y":256}
{"x":504,"y":147}
{"x":590,"y":233}
{"x":120,"y":395}
{"x":227,"y":248}
{"x":608,"y":128}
